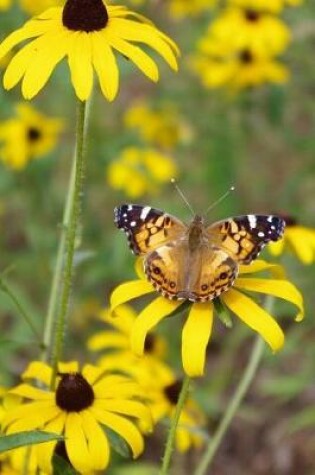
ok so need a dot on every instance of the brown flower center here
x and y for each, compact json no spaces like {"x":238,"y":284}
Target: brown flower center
{"x":251,"y":15}
{"x":84,"y":15}
{"x":246,"y":57}
{"x":33,"y":134}
{"x":172,"y":391}
{"x":74,"y":393}
{"x":149,"y":345}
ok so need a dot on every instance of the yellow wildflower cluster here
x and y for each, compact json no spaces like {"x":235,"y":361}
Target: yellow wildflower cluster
{"x":138,"y":171}
{"x":28,"y":135}
{"x":241,"y":46}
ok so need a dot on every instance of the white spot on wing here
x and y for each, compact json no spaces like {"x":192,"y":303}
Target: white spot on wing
{"x":261,"y":234}
{"x":144,"y":213}
{"x":269,"y":219}
{"x":133,"y":224}
{"x":252,"y":221}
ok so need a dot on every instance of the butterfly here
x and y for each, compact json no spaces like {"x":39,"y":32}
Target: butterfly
{"x":195,"y":262}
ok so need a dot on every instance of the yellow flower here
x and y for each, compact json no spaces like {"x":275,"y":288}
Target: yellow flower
{"x":198,"y":327}
{"x":86,"y":32}
{"x":272,"y":6}
{"x":181,"y":8}
{"x":138,"y":171}
{"x":298,"y":239}
{"x":262,"y":33}
{"x":34,"y":7}
{"x":82,"y":404}
{"x":239,"y":70}
{"x":27,"y":136}
{"x":159,"y":383}
{"x":161,"y":127}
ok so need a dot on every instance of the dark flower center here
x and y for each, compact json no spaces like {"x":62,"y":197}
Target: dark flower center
{"x":33,"y":134}
{"x":149,"y":345}
{"x":172,"y":391}
{"x":84,"y":15}
{"x":251,"y":15}
{"x":246,"y":56}
{"x":74,"y":393}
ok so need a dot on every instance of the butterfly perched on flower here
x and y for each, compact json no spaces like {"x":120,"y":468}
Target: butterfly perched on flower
{"x":195,"y":262}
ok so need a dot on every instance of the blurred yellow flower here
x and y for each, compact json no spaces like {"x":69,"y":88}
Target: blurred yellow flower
{"x":27,"y":136}
{"x":262,"y":33}
{"x":139,"y":171}
{"x":162,"y":127}
{"x":198,"y":327}
{"x":272,"y":6}
{"x":181,"y":8}
{"x":159,"y":383}
{"x":34,"y":7}
{"x":298,"y":239}
{"x":238,"y":71}
{"x":87,"y":32}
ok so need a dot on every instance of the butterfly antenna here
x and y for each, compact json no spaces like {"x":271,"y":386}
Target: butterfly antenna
{"x":229,"y":191}
{"x":179,"y":191}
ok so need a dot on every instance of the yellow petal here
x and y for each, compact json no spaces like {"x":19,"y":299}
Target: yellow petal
{"x":30,"y":416}
{"x":255,"y":317}
{"x":129,"y":408}
{"x":105,"y":65}
{"x":302,"y":240}
{"x":53,"y":48}
{"x":278,"y":288}
{"x":148,"y":318}
{"x":68,"y":367}
{"x":258,"y":266}
{"x":137,"y":56}
{"x":80,"y":64}
{"x":195,"y":338}
{"x":30,"y":392}
{"x":38,"y":370}
{"x":18,"y":65}
{"x":276,"y":248}
{"x":76,"y":443}
{"x":126,"y":429}
{"x":45,"y":451}
{"x":108,"y":340}
{"x":97,"y":441}
{"x":128,"y":291}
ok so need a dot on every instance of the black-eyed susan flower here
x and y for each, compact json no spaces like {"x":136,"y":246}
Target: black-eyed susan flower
{"x":27,"y":136}
{"x":181,"y":8}
{"x":81,"y":407}
{"x":198,"y":327}
{"x":139,"y":171}
{"x":238,"y":70}
{"x":162,"y":127}
{"x":87,"y":32}
{"x":297,"y":239}
{"x":272,"y":6}
{"x":247,"y":28}
{"x":160,"y":385}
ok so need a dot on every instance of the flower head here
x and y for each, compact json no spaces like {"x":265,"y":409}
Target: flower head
{"x":80,"y":406}
{"x":298,"y":239}
{"x":271,"y":6}
{"x":181,"y":8}
{"x":161,"y":127}
{"x":139,"y":171}
{"x":198,"y":327}
{"x":86,"y":32}
{"x":27,"y":136}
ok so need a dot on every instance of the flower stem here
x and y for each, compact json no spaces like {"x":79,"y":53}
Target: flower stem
{"x":233,"y":406}
{"x":74,"y":215}
{"x":55,"y":286}
{"x":172,"y":432}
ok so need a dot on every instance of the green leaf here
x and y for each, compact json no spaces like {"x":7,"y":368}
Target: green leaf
{"x":13,"y":441}
{"x":302,"y":420}
{"x":223,"y":313}
{"x":62,"y":467}
{"x":117,"y":443}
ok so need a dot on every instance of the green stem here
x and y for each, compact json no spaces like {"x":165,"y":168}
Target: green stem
{"x":172,"y":432}
{"x":27,"y":318}
{"x":55,"y":287}
{"x":71,"y":231}
{"x":233,"y":406}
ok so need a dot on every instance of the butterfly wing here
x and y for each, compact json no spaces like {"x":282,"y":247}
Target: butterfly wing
{"x":200,"y":276}
{"x":147,"y":228}
{"x":243,"y":237}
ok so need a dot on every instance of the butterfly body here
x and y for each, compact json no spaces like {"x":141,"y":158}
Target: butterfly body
{"x":195,"y":262}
